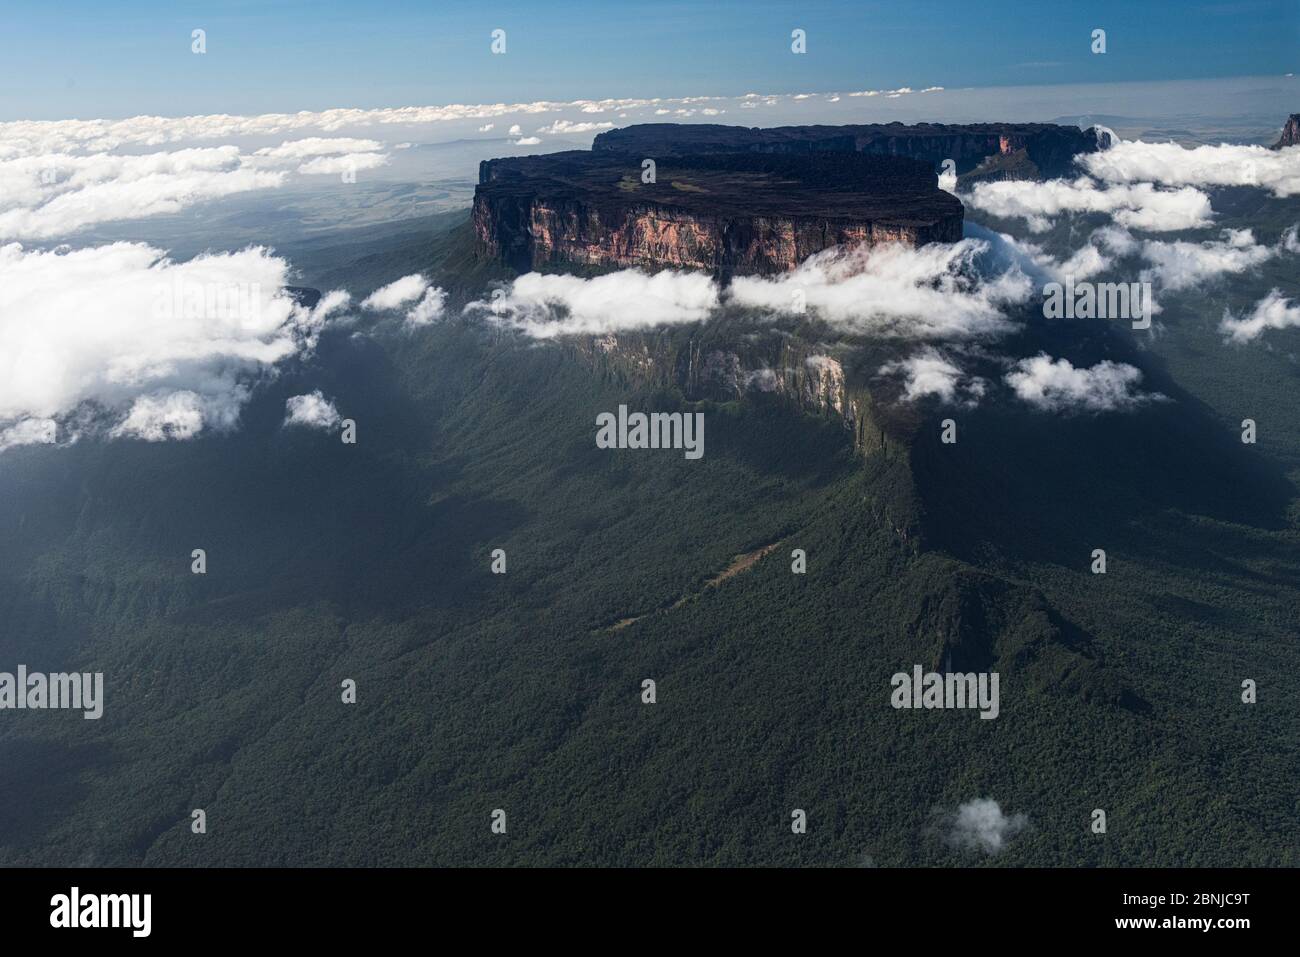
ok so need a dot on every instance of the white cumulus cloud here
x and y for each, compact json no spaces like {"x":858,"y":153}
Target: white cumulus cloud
{"x":312,"y":411}
{"x":1183,"y":265}
{"x":163,"y":349}
{"x":51,"y":195}
{"x":981,"y":825}
{"x":930,"y":373}
{"x":1274,"y":311}
{"x":1173,"y":165}
{"x":546,"y":306}
{"x":560,"y":127}
{"x":319,"y":146}
{"x":894,"y":290}
{"x":29,"y":432}
{"x":429,"y":308}
{"x":1056,"y":385}
{"x":396,"y":294}
{"x":1141,"y":206}
{"x":348,"y":163}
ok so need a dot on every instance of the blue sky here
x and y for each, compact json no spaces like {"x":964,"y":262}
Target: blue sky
{"x":112,"y":59}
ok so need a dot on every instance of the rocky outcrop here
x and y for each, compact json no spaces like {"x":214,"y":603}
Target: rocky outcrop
{"x":1290,"y":133}
{"x":726,"y":214}
{"x":1022,"y":150}
{"x":721,"y":371}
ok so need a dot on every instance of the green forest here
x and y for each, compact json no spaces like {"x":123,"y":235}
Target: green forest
{"x":479,"y":691}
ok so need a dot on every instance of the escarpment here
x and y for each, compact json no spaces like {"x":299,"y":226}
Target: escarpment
{"x":727,"y":214}
{"x":977,"y":150}
{"x":724,"y":368}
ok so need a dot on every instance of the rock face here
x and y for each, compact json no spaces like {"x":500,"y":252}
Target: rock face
{"x":725,"y":213}
{"x":1290,"y":133}
{"x":1003,"y":150}
{"x":719,"y":369}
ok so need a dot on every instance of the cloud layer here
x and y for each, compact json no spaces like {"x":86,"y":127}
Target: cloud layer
{"x":163,"y":349}
{"x":1141,"y":206}
{"x":547,"y":306}
{"x":57,"y":194}
{"x":893,"y":290}
{"x":1172,"y":165}
{"x":48,"y":195}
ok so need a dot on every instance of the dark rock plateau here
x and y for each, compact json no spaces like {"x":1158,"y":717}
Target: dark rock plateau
{"x":984,"y":150}
{"x":733,"y":200}
{"x":726,"y":213}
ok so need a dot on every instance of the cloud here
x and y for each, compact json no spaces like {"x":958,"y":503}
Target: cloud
{"x":1055,"y":385}
{"x":29,"y":432}
{"x":546,"y":306}
{"x":894,"y":290}
{"x":46,"y":195}
{"x":1173,"y":165}
{"x":312,"y":411}
{"x":1183,"y":265}
{"x":486,"y":127}
{"x":335,"y":165}
{"x":930,"y":373}
{"x":182,"y":414}
{"x":429,"y":308}
{"x":514,"y":130}
{"x":560,"y":127}
{"x":981,"y":825}
{"x":328,"y":155}
{"x":159,"y":348}
{"x":330,"y":303}
{"x":48,"y":136}
{"x":1141,"y":206}
{"x":56,"y":194}
{"x":527,"y":141}
{"x":30,"y":137}
{"x":1007,"y":252}
{"x":319,"y":146}
{"x":1172,"y":266}
{"x":1274,"y":311}
{"x":396,"y":294}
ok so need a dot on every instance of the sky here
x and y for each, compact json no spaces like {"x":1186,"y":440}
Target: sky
{"x":79,"y":59}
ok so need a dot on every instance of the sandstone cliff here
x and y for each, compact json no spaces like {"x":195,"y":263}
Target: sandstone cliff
{"x":719,"y":367}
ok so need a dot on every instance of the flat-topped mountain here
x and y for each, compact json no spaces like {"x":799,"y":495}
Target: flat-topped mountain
{"x":983,"y":150}
{"x":726,"y":213}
